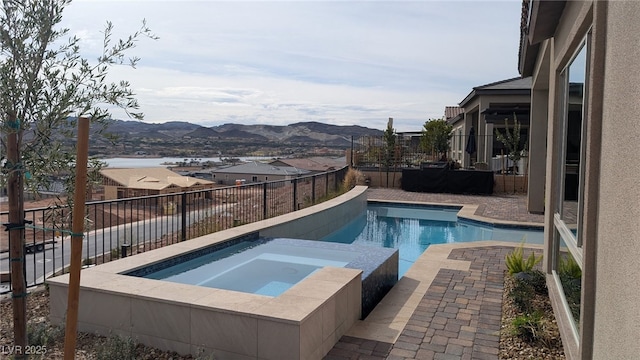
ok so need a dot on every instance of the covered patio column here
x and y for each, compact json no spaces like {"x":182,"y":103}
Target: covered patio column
{"x":538,"y":129}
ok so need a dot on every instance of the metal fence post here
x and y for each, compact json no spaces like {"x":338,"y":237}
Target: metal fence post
{"x":313,"y":189}
{"x":326,"y":184}
{"x":264,"y":200}
{"x":295,"y":193}
{"x":183,"y":232}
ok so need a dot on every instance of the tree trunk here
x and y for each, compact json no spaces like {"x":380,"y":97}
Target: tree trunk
{"x":16,"y":235}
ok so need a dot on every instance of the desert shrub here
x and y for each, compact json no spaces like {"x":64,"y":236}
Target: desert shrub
{"x":43,"y":334}
{"x":516,"y":262}
{"x":352,"y":178}
{"x":115,"y":253}
{"x":116,"y":347}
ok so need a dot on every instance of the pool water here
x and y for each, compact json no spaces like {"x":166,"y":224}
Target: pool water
{"x":271,"y":266}
{"x":411,"y":229}
{"x":259,"y":267}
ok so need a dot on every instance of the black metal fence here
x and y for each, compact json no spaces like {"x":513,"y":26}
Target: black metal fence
{"x":407,"y":152}
{"x":118,"y":228}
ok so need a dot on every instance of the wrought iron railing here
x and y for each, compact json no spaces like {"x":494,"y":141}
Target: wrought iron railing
{"x":117,"y":228}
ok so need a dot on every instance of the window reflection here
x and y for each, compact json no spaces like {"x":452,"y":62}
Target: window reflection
{"x":573,"y":147}
{"x":570,"y":274}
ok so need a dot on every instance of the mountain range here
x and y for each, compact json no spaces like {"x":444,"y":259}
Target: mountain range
{"x":306,"y":133}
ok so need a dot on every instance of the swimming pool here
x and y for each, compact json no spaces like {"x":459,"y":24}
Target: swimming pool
{"x":302,"y":323}
{"x":412,"y":228}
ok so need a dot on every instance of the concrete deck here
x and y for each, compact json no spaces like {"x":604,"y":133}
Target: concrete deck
{"x":448,"y":305}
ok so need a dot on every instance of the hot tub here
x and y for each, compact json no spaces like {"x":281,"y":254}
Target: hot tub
{"x":268,"y":266}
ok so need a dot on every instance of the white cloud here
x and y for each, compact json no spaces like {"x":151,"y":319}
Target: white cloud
{"x":283,"y":62}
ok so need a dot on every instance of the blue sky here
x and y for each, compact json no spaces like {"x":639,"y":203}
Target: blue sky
{"x":281,"y":62}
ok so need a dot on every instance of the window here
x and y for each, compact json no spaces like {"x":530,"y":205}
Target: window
{"x":571,"y":168}
{"x":569,"y":207}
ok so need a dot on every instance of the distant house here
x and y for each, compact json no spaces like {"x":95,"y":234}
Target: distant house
{"x":313,"y":164}
{"x":485,"y":109}
{"x":134,"y":182}
{"x":255,"y":172}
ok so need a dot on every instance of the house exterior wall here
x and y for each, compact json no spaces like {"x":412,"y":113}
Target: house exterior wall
{"x":484,"y":131}
{"x":110,"y":192}
{"x":227,"y":178}
{"x":617,"y":284}
{"x":608,"y":221}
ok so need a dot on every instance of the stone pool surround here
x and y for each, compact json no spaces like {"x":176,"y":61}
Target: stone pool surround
{"x":303,"y":323}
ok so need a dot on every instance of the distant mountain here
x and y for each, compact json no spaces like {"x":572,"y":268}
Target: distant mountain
{"x":307,"y":133}
{"x":139,"y":129}
{"x":301,"y":133}
{"x":203,"y":133}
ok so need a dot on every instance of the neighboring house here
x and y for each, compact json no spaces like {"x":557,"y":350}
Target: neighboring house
{"x":253,"y":172}
{"x":314,"y":164}
{"x":584,"y":59}
{"x":485,"y":109}
{"x":454,"y":115}
{"x":134,"y":182}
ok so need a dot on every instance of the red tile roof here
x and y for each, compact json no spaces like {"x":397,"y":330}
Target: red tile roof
{"x":452,"y":111}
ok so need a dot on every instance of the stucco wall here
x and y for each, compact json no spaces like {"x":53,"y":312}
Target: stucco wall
{"x":617,"y":319}
{"x":318,"y":221}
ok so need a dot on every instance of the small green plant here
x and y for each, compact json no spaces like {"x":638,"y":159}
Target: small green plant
{"x":521,"y":294}
{"x":116,"y":347}
{"x":202,"y":355}
{"x":538,"y":281}
{"x":43,"y":334}
{"x":529,"y":327}
{"x":516,"y":263}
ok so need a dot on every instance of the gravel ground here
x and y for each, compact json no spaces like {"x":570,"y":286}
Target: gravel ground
{"x":513,"y":347}
{"x":90,"y":346}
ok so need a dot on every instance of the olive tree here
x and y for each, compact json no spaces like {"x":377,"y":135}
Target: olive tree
{"x":436,"y":136}
{"x":46,"y":84}
{"x":389,"y":144}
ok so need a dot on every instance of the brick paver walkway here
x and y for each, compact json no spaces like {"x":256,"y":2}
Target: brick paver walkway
{"x":459,"y":316}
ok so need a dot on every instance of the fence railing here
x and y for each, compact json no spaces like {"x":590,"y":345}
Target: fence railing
{"x":407,"y":152}
{"x":118,"y":228}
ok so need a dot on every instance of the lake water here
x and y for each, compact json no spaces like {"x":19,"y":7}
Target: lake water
{"x":163,"y":161}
